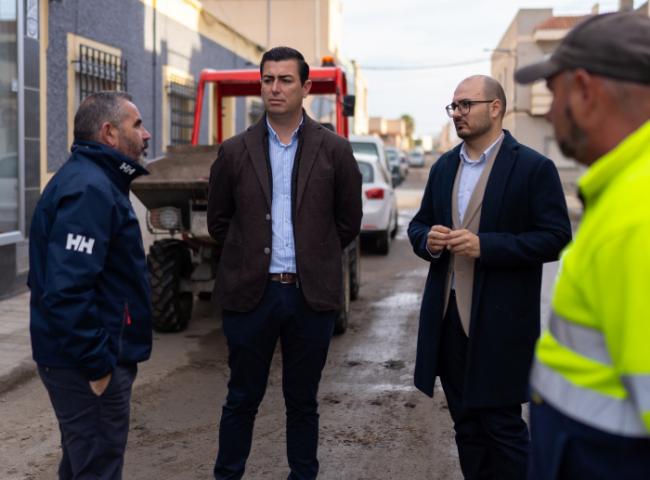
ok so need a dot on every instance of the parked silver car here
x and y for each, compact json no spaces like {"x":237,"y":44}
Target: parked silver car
{"x":397,"y":163}
{"x":416,"y":158}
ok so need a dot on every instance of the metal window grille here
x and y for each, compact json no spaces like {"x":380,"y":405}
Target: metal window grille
{"x":182,"y":97}
{"x":99,"y":70}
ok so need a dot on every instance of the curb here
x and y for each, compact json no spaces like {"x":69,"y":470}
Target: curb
{"x":19,"y":374}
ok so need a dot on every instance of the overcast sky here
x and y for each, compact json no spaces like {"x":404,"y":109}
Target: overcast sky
{"x":380,"y":33}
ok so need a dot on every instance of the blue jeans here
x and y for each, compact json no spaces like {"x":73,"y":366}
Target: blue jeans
{"x":252,"y":336}
{"x":94,"y":429}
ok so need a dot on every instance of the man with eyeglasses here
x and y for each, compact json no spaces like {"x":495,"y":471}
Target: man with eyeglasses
{"x":590,"y":381}
{"x":492,"y":213}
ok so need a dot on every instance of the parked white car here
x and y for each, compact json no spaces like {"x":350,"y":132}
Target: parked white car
{"x":371,"y":145}
{"x":379,"y":222}
{"x":416,"y":158}
{"x":398,"y":163}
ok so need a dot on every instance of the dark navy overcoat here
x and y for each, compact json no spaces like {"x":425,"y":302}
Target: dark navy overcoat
{"x":524,"y":223}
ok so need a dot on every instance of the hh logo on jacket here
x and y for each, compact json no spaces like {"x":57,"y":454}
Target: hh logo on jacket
{"x":126,"y":168}
{"x":79,"y":243}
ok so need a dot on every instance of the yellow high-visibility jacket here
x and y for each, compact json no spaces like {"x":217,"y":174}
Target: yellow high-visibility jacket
{"x":593,"y":361}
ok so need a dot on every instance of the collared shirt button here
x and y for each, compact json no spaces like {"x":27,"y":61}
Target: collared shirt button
{"x":268,"y":216}
{"x":267,"y":250}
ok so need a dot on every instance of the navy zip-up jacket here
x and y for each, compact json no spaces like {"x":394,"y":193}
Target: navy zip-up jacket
{"x":90,"y":296}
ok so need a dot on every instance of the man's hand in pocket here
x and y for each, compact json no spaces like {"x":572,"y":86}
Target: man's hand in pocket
{"x":99,"y":386}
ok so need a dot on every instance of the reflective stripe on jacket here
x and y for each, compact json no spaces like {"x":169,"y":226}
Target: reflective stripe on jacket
{"x":593,"y":361}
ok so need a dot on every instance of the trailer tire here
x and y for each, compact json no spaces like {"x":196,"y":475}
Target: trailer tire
{"x":169,"y":262}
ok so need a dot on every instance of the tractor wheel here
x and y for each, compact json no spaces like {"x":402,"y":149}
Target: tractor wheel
{"x":169,"y":261}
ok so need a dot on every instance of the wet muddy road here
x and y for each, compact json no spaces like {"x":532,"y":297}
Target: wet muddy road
{"x":374,"y":424}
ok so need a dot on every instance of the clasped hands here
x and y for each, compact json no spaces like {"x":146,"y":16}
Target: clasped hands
{"x":459,"y":242}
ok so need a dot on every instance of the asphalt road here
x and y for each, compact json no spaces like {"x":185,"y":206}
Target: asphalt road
{"x":374,"y":424}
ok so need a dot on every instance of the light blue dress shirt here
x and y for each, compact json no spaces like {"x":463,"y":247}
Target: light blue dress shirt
{"x":282,"y":157}
{"x":469,"y":177}
{"x":470,"y":174}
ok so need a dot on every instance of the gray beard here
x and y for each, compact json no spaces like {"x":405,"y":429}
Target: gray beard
{"x":574,"y":145}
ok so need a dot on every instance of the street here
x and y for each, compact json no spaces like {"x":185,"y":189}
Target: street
{"x":374,"y":424}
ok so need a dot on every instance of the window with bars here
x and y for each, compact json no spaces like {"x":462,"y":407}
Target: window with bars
{"x":182,"y":96}
{"x":99,"y":70}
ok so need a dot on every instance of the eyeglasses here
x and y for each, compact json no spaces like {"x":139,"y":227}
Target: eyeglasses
{"x":464,"y":106}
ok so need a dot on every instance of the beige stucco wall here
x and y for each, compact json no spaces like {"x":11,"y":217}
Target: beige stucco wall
{"x":395,"y":126}
{"x":360,"y":122}
{"x":524,"y":119}
{"x":313,"y":27}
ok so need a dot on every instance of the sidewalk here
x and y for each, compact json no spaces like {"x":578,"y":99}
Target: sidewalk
{"x":16,"y":362}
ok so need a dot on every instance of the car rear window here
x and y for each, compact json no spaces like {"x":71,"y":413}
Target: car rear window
{"x":365,"y":147}
{"x":367,"y":172}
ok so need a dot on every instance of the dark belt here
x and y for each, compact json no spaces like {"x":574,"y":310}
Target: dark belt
{"x":285,"y":278}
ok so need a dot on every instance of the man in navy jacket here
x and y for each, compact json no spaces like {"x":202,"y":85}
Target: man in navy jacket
{"x":493,"y":212}
{"x":90,"y":301}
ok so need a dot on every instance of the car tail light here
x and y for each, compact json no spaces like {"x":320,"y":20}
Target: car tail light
{"x":375,"y":194}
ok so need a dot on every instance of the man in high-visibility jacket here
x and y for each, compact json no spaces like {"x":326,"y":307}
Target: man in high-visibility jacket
{"x":590,"y":381}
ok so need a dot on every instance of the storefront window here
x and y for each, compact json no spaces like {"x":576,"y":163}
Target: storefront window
{"x":8,"y":117}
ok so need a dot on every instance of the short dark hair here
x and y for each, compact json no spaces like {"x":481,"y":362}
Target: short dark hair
{"x":95,"y":109}
{"x":277,"y":54}
{"x":493,"y":89}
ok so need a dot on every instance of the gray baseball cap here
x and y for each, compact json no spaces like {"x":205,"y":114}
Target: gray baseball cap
{"x":614,"y":45}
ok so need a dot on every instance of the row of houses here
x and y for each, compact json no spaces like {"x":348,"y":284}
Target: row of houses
{"x":55,"y":52}
{"x":532,"y":35}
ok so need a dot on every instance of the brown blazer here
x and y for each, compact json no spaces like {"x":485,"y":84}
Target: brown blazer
{"x":326,"y":198}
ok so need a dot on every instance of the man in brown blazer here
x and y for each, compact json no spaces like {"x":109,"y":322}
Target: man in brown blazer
{"x":492,"y":213}
{"x":284,"y":200}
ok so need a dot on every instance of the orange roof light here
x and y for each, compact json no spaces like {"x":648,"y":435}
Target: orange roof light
{"x":327,"y":61}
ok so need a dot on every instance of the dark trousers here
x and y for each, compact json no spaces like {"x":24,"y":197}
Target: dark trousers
{"x":93,"y":429}
{"x":565,"y":449}
{"x":493,"y":443}
{"x":252,"y":336}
